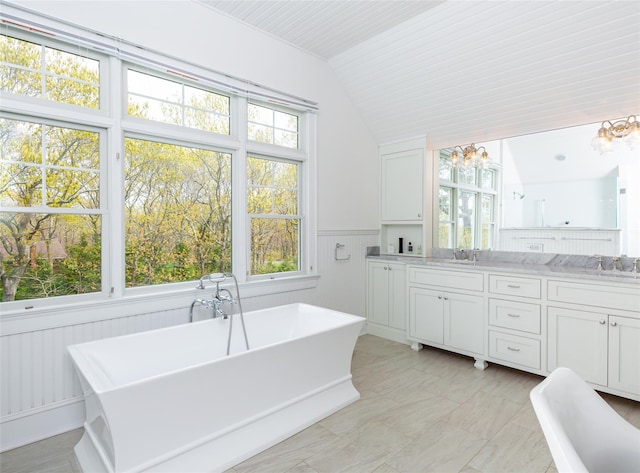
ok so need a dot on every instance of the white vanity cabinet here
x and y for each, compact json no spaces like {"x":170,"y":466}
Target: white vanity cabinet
{"x":533,"y":321}
{"x":444,"y":318}
{"x":592,"y":331}
{"x":386,"y":299}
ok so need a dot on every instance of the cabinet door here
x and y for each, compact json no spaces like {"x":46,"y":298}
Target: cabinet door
{"x":463,"y":322}
{"x":402,"y":177}
{"x":397,"y":296}
{"x":426,"y":315}
{"x":578,"y":340}
{"x":378,"y":293}
{"x":624,"y":354}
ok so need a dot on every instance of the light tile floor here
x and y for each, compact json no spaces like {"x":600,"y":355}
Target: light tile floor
{"x":430,"y":411}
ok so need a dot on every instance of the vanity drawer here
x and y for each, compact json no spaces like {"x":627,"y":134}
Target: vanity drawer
{"x":515,"y":286}
{"x":520,"y":350}
{"x":619,"y":296}
{"x":515,"y":315}
{"x":470,"y":281}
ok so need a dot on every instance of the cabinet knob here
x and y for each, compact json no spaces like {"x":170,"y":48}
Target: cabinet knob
{"x":602,"y":322}
{"x":613,"y":324}
{"x":446,"y":298}
{"x":419,"y":215}
{"x":439,"y":297}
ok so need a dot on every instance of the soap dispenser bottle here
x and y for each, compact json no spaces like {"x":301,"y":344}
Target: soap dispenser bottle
{"x":410,"y":248}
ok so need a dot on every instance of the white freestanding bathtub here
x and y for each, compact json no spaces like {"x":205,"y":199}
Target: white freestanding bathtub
{"x":170,"y":400}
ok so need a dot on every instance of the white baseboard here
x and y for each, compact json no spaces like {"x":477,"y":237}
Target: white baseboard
{"x":389,"y":333}
{"x":38,"y":424}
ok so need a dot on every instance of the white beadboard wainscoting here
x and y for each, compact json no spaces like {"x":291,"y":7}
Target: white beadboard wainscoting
{"x":39,"y":393}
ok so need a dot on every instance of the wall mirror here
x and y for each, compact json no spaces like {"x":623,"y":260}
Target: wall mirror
{"x":548,"y":192}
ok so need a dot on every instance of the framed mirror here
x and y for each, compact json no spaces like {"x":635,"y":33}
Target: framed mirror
{"x":548,"y":192}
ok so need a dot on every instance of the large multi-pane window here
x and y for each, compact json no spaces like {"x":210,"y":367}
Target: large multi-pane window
{"x":273,"y":208}
{"x":467,"y":205}
{"x":150,"y":178}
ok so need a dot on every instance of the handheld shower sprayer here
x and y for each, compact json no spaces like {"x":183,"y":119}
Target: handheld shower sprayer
{"x":213,"y":277}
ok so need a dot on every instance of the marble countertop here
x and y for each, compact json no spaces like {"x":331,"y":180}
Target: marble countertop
{"x":519,"y":268}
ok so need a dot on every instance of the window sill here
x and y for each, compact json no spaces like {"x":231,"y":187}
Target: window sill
{"x":158,"y":299}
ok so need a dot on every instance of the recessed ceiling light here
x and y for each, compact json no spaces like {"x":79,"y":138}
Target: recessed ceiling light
{"x":559,"y":157}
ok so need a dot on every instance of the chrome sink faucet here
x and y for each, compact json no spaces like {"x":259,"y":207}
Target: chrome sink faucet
{"x":617,"y":263}
{"x":600,"y":267}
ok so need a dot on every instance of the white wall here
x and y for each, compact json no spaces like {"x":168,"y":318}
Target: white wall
{"x":39,"y":394}
{"x":587,"y":203}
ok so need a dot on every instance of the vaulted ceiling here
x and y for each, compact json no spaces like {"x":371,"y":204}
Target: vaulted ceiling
{"x":462,"y":71}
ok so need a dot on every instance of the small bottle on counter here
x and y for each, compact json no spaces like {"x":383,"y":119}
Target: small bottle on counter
{"x":409,"y":248}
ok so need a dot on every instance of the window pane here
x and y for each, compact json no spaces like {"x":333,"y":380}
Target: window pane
{"x":68,"y":78}
{"x":169,"y":101}
{"x":45,"y":255}
{"x":62,"y":163}
{"x":466,"y":219}
{"x":260,"y":133}
{"x":488,"y":179}
{"x":445,"y":235}
{"x":467,"y":175}
{"x":445,"y":204}
{"x":487,"y":236}
{"x":177,"y":212}
{"x":446,"y":170}
{"x":20,"y":185}
{"x":272,"y":126}
{"x":487,"y":208}
{"x":274,"y":245}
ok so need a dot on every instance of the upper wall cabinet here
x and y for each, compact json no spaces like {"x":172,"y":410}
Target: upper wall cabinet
{"x":402,"y":186}
{"x":405,"y":184}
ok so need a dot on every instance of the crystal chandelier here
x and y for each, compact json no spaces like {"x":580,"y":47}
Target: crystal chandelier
{"x":612,"y":133}
{"x":471,"y":156}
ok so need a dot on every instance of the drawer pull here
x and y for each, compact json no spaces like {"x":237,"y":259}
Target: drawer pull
{"x":513,"y":349}
{"x":513,"y":315}
{"x":602,"y":322}
{"x":613,"y":324}
{"x":513,"y":286}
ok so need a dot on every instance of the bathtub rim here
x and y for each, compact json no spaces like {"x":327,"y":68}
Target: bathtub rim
{"x":85,"y":364}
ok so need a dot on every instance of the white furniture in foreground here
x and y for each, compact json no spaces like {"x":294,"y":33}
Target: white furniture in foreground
{"x":170,"y":400}
{"x":583,"y":432}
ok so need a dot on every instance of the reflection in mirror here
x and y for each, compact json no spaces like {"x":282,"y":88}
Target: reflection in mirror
{"x":547,"y":192}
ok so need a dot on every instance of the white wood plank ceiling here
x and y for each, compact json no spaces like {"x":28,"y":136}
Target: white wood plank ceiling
{"x":462,"y":71}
